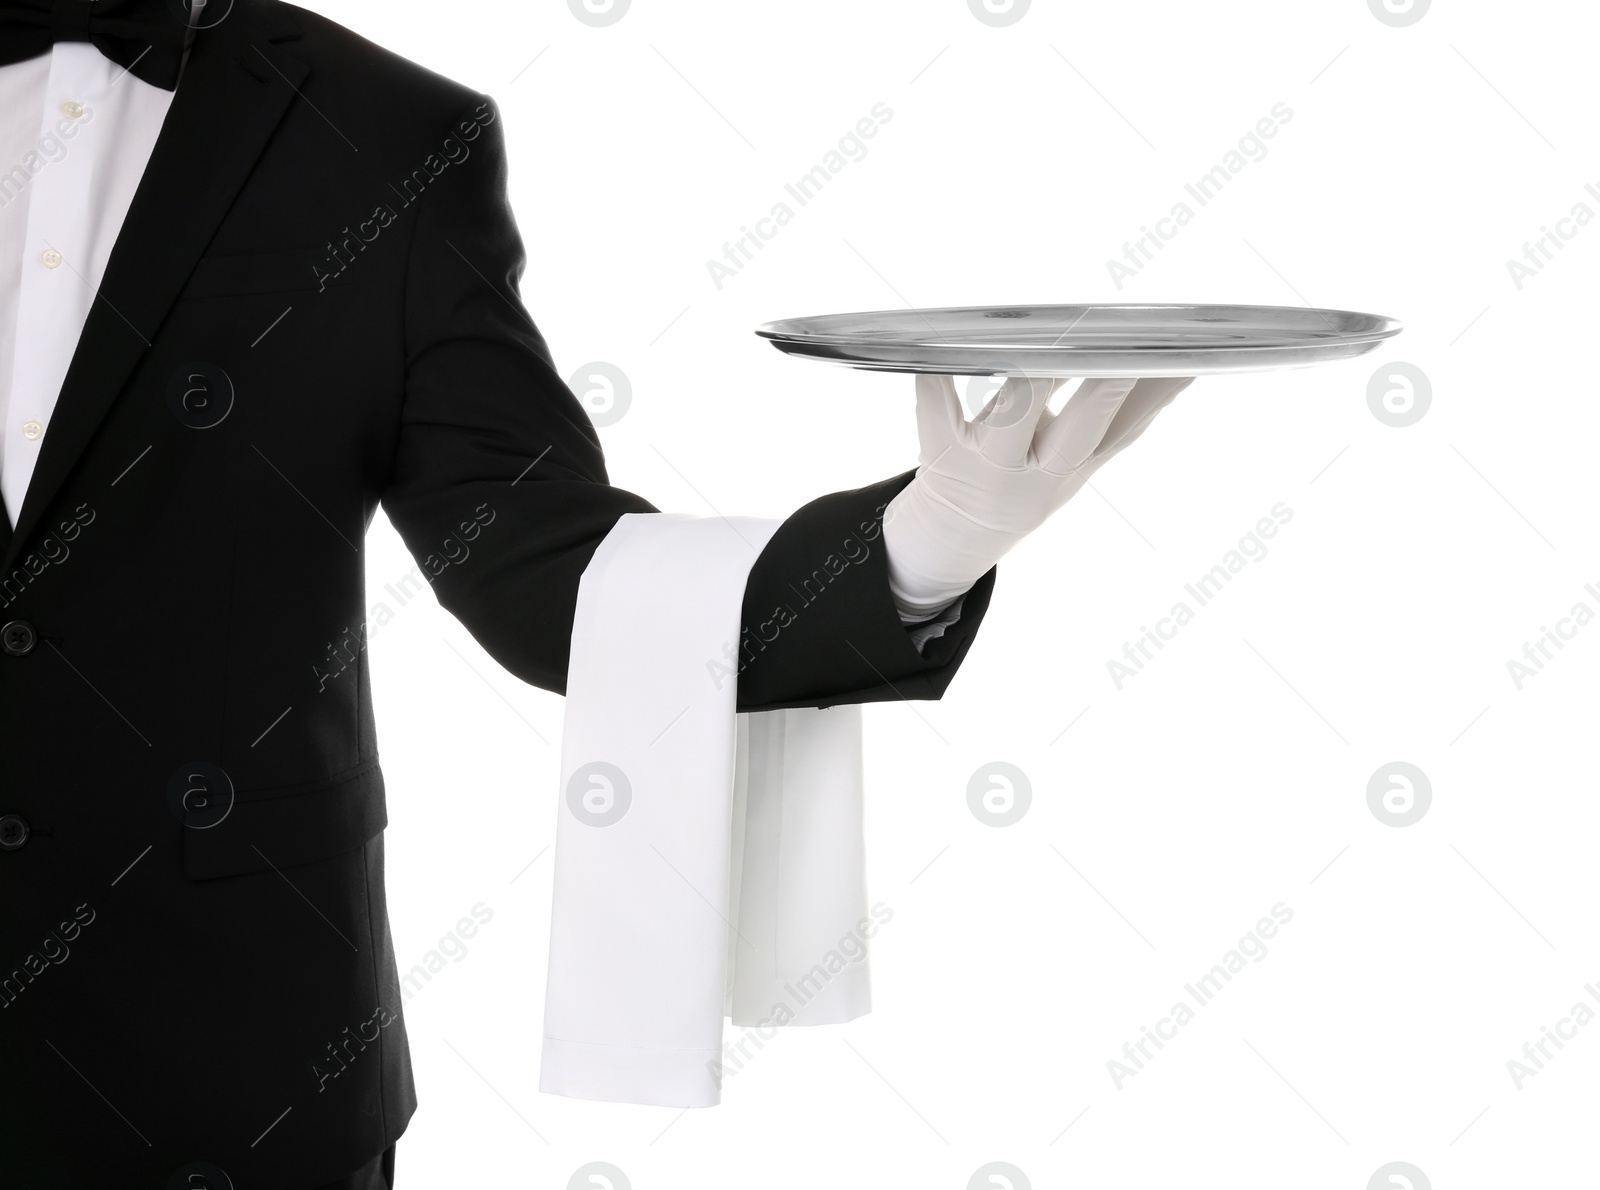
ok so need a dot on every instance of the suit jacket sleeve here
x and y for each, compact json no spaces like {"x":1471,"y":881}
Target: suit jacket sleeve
{"x":499,"y":487}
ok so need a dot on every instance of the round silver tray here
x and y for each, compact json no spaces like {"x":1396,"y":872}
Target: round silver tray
{"x":1087,"y":340}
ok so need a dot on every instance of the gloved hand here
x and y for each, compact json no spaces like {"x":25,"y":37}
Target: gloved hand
{"x":986,"y":484}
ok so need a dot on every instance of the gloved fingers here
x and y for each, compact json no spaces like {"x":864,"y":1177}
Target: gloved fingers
{"x":1148,"y":398}
{"x":1068,"y":441}
{"x":1006,"y":426}
{"x":940,"y":421}
{"x":1098,"y":459}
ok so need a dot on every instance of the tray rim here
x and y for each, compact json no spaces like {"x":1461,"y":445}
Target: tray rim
{"x":1388,"y":328}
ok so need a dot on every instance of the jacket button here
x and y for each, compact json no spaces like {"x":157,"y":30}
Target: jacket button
{"x":13,"y":832}
{"x":18,"y":638}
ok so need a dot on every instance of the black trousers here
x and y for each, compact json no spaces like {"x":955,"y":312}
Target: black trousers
{"x":377,"y":1174}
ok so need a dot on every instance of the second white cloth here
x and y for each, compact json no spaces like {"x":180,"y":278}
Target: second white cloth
{"x":707,"y":862}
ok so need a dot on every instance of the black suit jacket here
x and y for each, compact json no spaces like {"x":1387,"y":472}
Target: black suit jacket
{"x":312,"y":309}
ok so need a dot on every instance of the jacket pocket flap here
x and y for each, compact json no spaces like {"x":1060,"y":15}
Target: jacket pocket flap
{"x":265,"y":272}
{"x":268,"y":829}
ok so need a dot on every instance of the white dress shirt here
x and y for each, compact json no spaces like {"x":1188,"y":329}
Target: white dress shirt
{"x":76,"y":132}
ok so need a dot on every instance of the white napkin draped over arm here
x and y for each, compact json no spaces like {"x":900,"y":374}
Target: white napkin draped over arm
{"x":707,"y":862}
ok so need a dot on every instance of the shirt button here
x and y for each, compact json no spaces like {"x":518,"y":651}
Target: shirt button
{"x":49,"y":258}
{"x":31,"y":430}
{"x":72,"y":108}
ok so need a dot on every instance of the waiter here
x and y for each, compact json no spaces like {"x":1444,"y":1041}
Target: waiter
{"x":258,"y":276}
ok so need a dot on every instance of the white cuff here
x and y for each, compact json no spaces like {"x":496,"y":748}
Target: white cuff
{"x":924,"y":627}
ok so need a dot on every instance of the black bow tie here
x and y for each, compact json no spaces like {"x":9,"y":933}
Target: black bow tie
{"x":145,"y":36}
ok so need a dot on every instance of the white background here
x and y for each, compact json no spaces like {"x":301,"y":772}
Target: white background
{"x":1231,"y":774}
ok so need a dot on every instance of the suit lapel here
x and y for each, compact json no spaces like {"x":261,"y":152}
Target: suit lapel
{"x":237,"y":84}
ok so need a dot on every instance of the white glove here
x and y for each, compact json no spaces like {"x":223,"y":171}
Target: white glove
{"x":986,"y":484}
